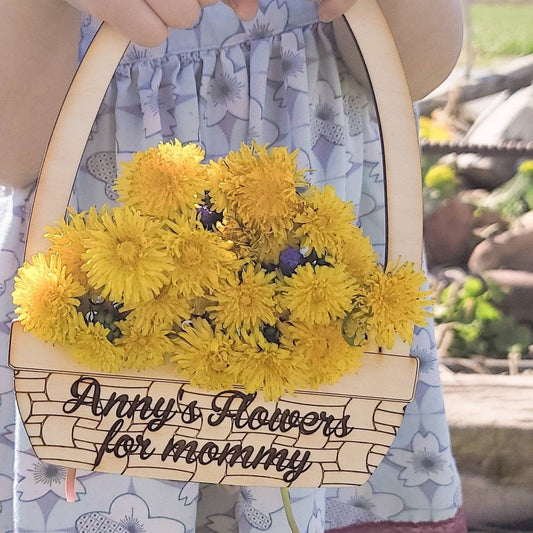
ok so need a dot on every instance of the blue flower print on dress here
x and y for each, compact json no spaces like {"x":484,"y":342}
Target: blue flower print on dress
{"x":316,"y":522}
{"x":226,"y":91}
{"x":249,"y":514}
{"x":189,"y":493}
{"x":128,"y":513}
{"x":6,"y":381}
{"x":268,"y":22}
{"x":325,"y":116}
{"x":102,"y":166}
{"x":261,"y":130}
{"x":426,"y":462}
{"x":364,"y":498}
{"x":157,"y":104}
{"x":424,"y":349}
{"x":10,"y":265}
{"x":288,"y":67}
{"x":38,"y":479}
{"x":423,"y":415}
{"x":6,"y":489}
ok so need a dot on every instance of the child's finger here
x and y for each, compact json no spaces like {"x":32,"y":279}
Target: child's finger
{"x":245,"y":9}
{"x":177,"y":13}
{"x":331,"y":9}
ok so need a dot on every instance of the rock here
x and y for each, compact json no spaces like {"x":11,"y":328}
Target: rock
{"x":448,"y":233}
{"x":510,"y":120}
{"x":518,"y":285}
{"x":491,"y":425}
{"x":512,"y":249}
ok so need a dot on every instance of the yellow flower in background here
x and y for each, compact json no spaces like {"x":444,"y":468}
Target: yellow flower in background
{"x":268,"y":367}
{"x":91,"y":347}
{"x":47,"y":296}
{"x":203,"y":356}
{"x":144,"y":349}
{"x":328,"y":355}
{"x":200,"y":258}
{"x":526,"y":167}
{"x":325,"y":222}
{"x":434,"y":129}
{"x":259,"y":187}
{"x":317,"y":295}
{"x":161,"y":312}
{"x":68,"y":240}
{"x":357,"y":254}
{"x":126,"y":257}
{"x":173,"y":171}
{"x":245,"y":300}
{"x":396,"y":303}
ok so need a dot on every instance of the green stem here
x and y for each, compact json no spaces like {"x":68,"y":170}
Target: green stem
{"x":288,"y":509}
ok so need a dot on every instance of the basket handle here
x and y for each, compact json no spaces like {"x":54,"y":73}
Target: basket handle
{"x":363,"y":26}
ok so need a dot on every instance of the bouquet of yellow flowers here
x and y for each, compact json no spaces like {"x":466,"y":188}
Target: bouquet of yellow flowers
{"x":236,"y":271}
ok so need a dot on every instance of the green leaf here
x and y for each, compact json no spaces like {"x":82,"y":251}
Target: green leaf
{"x":473,"y":287}
{"x":486,"y":311}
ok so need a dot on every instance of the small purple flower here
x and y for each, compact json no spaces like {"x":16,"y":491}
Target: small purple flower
{"x":289,"y":260}
{"x":208,"y":218}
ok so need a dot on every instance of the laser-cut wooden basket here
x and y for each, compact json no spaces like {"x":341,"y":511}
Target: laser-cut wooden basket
{"x":371,"y":402}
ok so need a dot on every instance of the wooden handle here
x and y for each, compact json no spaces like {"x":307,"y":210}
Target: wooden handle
{"x":363,"y":26}
{"x":71,"y":132}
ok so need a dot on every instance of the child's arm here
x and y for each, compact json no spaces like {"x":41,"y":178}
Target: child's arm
{"x":38,"y":57}
{"x":428,"y":34}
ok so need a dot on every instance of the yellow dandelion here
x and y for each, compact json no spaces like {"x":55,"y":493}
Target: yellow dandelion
{"x":245,"y":300}
{"x":67,"y":240}
{"x":239,"y":238}
{"x":260,"y":188}
{"x":162,"y":311}
{"x":126,"y":257}
{"x":265,"y":248}
{"x":91,"y":347}
{"x":173,"y":170}
{"x":144,"y":349}
{"x":395,"y":303}
{"x":47,"y":296}
{"x":203,"y":356}
{"x":317,"y":295}
{"x":269,"y":367}
{"x":325,"y":222}
{"x":201,"y":258}
{"x":327,"y":354}
{"x":356,"y":254}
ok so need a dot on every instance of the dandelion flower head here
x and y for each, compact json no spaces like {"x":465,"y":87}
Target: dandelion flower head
{"x":326,"y":220}
{"x":396,"y":303}
{"x":259,"y":188}
{"x":245,"y":300}
{"x":203,"y":355}
{"x":126,"y":257}
{"x":67,"y":240}
{"x":47,"y":296}
{"x":172,"y":171}
{"x":317,"y":294}
{"x":201,"y":258}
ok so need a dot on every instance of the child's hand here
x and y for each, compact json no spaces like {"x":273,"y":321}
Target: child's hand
{"x":331,"y":9}
{"x":146,"y":22}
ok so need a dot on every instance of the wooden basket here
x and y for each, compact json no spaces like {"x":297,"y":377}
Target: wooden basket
{"x":335,"y":436}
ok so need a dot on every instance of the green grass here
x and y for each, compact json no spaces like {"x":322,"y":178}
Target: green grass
{"x":502,"y":30}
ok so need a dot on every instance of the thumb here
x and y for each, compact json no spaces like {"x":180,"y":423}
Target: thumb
{"x":245,"y":9}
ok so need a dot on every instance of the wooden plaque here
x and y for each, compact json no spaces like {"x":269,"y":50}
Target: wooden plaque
{"x":155,"y":425}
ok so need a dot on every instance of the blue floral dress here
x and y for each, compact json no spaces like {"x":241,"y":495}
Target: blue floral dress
{"x":276,"y":80}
